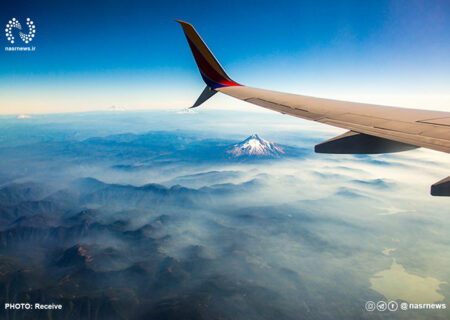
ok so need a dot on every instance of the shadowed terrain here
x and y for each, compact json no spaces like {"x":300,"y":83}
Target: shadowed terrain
{"x":170,"y":225}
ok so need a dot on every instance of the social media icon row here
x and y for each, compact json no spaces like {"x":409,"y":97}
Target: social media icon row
{"x":382,"y":306}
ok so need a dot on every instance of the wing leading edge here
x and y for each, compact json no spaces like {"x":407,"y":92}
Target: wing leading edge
{"x":372,"y":128}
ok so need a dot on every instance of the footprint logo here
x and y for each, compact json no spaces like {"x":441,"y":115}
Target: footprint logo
{"x":15,"y":24}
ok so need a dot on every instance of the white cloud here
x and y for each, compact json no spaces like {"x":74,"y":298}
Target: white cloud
{"x":23,"y":116}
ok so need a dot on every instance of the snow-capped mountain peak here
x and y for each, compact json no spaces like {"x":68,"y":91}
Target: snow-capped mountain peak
{"x":256,"y":146}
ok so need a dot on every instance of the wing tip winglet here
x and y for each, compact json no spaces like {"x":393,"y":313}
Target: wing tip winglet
{"x":183,"y":23}
{"x":210,"y":69}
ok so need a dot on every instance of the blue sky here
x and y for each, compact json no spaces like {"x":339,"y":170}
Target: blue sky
{"x":92,"y":55}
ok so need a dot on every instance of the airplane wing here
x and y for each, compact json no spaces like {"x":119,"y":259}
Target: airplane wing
{"x":372,"y":128}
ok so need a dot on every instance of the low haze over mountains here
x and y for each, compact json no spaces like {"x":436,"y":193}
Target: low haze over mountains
{"x":133,"y":216}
